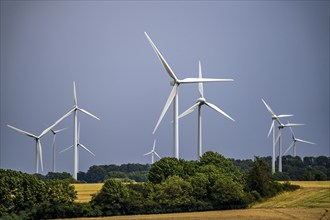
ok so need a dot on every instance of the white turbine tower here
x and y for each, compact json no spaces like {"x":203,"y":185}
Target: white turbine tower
{"x":293,"y":144}
{"x":37,"y":139}
{"x":79,"y":145}
{"x":272,"y":129}
{"x":75,"y":138}
{"x":53,"y":145}
{"x":199,"y":103}
{"x":279,"y":140}
{"x":174,"y":96}
{"x":153,"y":152}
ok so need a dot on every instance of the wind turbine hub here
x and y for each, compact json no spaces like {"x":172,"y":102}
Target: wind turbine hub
{"x":201,"y":100}
{"x":172,"y":83}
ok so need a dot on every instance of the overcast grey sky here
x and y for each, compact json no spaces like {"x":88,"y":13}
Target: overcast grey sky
{"x":276,"y":50}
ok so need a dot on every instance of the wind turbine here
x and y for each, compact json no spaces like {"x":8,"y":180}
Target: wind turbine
{"x":38,"y":146}
{"x":175,"y":97}
{"x":279,"y":140}
{"x":75,"y":132}
{"x":153,"y":152}
{"x":293,"y":144}
{"x":272,"y":128}
{"x":37,"y":139}
{"x":79,"y":144}
{"x":53,"y":145}
{"x":199,"y":103}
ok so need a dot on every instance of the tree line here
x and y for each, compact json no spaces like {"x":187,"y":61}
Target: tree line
{"x":294,"y":168}
{"x":212,"y":183}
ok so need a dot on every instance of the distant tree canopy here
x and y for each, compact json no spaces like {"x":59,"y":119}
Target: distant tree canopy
{"x":294,"y":168}
{"x":99,"y":173}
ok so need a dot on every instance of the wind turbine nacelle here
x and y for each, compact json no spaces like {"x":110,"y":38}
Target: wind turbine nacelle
{"x":172,"y":83}
{"x":201,"y":100}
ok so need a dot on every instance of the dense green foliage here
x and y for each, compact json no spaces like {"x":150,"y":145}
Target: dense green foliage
{"x":24,"y":196}
{"x":175,"y":185}
{"x":294,"y":168}
{"x":169,"y":185}
{"x":99,"y":173}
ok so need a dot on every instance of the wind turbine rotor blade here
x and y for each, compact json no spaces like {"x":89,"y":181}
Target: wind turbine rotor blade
{"x":90,"y":114}
{"x":40,"y":155}
{"x":162,"y":59}
{"x":58,"y":131}
{"x":218,"y":110}
{"x":303,"y":141}
{"x":291,"y":145}
{"x":167,"y":105}
{"x":200,"y":85}
{"x":148,"y":153}
{"x":23,"y":132}
{"x":271,"y":128}
{"x":66,"y":149}
{"x":283,"y":116}
{"x":74,"y":93}
{"x":157,"y":155}
{"x":292,"y":125}
{"x":153,"y":148}
{"x":268,"y":108}
{"x":293,"y":135}
{"x":87,"y":149}
{"x":278,"y":136}
{"x":189,"y":110}
{"x":53,"y":125}
{"x":201,"y":80}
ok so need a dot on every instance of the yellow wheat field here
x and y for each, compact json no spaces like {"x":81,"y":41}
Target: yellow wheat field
{"x":86,"y":190}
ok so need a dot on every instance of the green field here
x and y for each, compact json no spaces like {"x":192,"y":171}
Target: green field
{"x":311,"y":201}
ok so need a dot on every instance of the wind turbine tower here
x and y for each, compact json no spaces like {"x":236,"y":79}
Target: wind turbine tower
{"x":53,"y":146}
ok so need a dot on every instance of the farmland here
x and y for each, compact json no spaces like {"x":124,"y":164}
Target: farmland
{"x":86,"y":190}
{"x":312,"y":201}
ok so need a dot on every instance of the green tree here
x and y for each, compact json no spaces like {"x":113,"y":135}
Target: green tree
{"x":20,"y":191}
{"x":60,"y":191}
{"x":200,"y":183}
{"x":228,"y":194}
{"x":175,"y":194}
{"x":95,"y":174}
{"x":112,"y":198}
{"x":164,"y":168}
{"x":259,"y":178}
{"x":224,"y":165}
